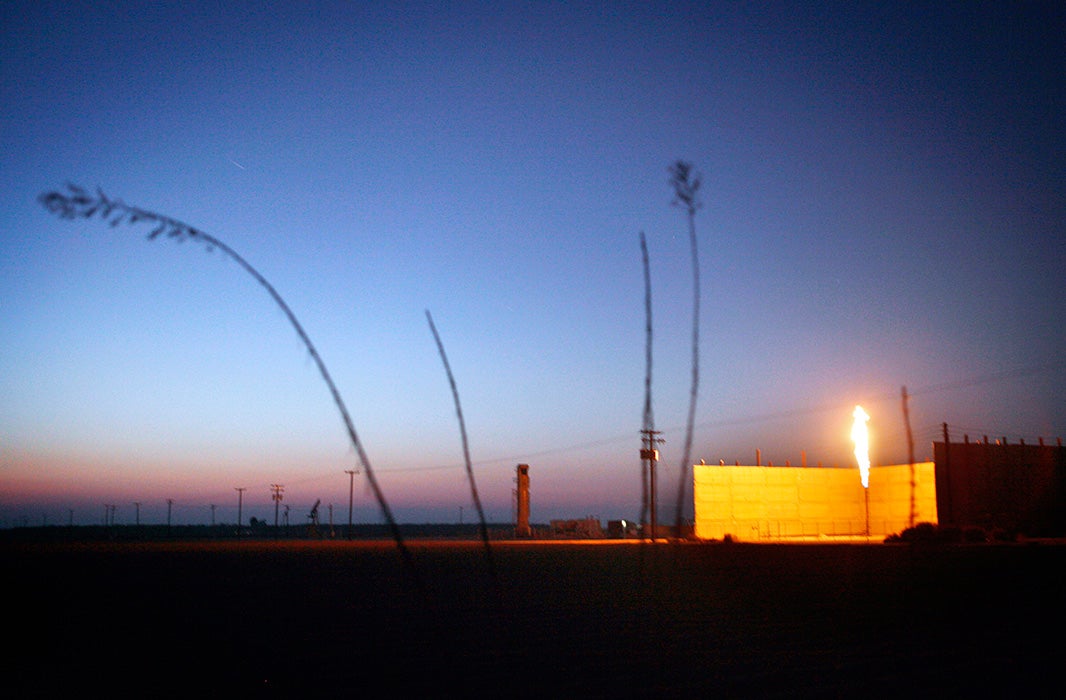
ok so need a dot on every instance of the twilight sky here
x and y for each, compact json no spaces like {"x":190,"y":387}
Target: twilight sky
{"x":883,"y":205}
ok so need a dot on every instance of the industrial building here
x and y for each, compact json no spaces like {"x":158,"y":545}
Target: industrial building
{"x":1018,"y":489}
{"x":522,"y":526}
{"x":1000,"y":487}
{"x":792,"y":504}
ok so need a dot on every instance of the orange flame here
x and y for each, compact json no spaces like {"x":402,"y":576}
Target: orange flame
{"x":860,"y":436}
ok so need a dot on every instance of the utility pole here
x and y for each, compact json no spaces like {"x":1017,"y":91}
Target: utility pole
{"x":170,"y":504}
{"x":276,"y":495}
{"x":240,"y":502}
{"x":137,"y":513}
{"x":212,"y":515}
{"x":949,"y":516}
{"x":351,"y":484}
{"x":650,"y":454}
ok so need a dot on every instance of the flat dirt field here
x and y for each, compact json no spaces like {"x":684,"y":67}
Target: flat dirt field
{"x":547,"y":620}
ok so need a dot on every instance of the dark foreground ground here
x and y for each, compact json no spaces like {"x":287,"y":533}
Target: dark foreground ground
{"x":347,"y":619}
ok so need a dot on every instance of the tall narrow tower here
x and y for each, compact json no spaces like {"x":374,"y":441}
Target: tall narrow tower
{"x":522,"y":528}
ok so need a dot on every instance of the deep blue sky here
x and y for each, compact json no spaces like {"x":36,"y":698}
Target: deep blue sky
{"x":883,"y":205}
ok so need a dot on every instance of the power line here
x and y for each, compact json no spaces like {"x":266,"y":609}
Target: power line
{"x":993,"y":377}
{"x":924,"y":433}
{"x":756,"y":418}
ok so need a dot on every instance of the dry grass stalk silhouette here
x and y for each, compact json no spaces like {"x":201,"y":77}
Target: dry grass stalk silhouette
{"x":686,"y":182}
{"x":466,"y":445}
{"x":647,"y":471}
{"x":78,"y":203}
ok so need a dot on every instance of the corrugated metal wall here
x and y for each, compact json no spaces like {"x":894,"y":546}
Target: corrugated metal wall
{"x":768,"y":504}
{"x":1016,"y":488}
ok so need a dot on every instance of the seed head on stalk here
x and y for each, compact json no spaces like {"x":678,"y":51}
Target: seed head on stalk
{"x":79,"y":203}
{"x":685,"y":181}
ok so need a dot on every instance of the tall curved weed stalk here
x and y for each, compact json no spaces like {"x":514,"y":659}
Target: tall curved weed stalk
{"x":648,"y":476}
{"x":466,"y":444}
{"x":78,"y":203}
{"x":686,"y":182}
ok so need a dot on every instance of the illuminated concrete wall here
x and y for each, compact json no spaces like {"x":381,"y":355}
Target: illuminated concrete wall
{"x":768,"y":504}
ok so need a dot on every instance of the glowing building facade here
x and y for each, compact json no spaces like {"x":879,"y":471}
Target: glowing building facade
{"x":787,"y":504}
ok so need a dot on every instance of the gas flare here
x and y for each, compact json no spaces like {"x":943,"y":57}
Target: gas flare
{"x":861,"y":438}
